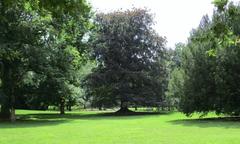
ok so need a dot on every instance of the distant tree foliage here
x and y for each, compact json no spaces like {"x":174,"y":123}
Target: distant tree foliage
{"x":131,"y":61}
{"x":175,"y":75}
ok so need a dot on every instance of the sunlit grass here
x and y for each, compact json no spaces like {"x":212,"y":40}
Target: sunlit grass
{"x":46,"y":127}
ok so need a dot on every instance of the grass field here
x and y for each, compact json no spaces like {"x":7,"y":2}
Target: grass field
{"x":38,"y":127}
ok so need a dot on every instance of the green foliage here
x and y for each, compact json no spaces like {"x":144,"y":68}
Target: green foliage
{"x":175,"y":86}
{"x":20,"y":38}
{"x":175,"y":75}
{"x":130,"y":59}
{"x":43,"y":38}
{"x":220,"y":4}
{"x":210,"y":64}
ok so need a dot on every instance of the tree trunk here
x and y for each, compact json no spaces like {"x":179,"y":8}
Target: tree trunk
{"x":62,"y":106}
{"x":5,"y":111}
{"x":13,"y":115}
{"x":69,"y":108}
{"x":100,"y":107}
{"x":12,"y":98}
{"x":162,"y":108}
{"x":136,"y":108}
{"x":124,"y":107}
{"x":8,"y":85}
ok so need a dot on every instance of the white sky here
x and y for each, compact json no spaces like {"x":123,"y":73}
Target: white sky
{"x":174,"y":18}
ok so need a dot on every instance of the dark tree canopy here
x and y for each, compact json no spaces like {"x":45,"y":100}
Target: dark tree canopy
{"x":130,"y":58}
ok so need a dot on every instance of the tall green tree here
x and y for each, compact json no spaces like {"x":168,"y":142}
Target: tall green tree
{"x":210,"y":63}
{"x":227,"y":54}
{"x":68,"y":38}
{"x":199,"y":69}
{"x":21,"y":35}
{"x":130,"y":59}
{"x":44,"y":37}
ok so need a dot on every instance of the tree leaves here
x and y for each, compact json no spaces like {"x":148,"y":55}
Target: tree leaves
{"x":43,"y":37}
{"x":210,"y":64}
{"x":220,"y":4}
{"x":130,"y":57}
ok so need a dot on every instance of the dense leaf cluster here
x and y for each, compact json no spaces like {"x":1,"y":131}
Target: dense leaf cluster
{"x":41,"y":51}
{"x":130,"y":57}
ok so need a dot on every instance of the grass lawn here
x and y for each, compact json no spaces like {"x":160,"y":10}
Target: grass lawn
{"x":38,"y":127}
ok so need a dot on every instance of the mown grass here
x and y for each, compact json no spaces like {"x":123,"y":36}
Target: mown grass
{"x":39,"y":127}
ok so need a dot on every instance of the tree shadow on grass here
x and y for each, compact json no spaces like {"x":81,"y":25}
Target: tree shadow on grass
{"x":52,"y":119}
{"x":21,"y":123}
{"x":95,"y":116}
{"x":221,"y":122}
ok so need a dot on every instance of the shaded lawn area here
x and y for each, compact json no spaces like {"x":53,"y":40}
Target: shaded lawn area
{"x":41,"y":127}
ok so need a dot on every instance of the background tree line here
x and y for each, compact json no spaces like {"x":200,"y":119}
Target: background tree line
{"x":60,"y":53}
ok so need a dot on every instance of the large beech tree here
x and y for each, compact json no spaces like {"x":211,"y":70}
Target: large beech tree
{"x":130,"y":59}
